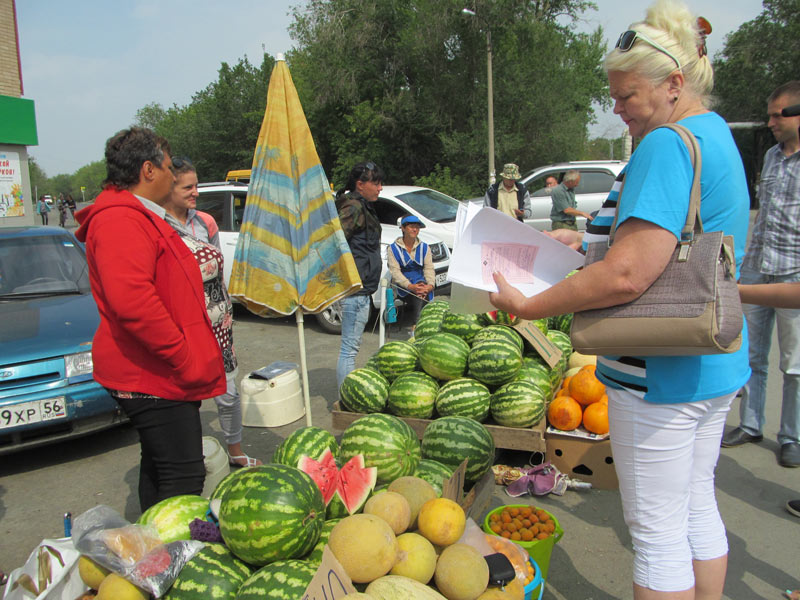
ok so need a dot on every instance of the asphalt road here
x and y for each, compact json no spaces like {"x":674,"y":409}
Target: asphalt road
{"x":591,"y":562}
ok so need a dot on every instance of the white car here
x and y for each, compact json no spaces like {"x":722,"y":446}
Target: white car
{"x":225,"y":201}
{"x":436,"y":210}
{"x":597,"y":177}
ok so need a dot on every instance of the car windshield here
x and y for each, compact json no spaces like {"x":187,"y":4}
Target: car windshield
{"x":433,"y":205}
{"x":42,"y":265}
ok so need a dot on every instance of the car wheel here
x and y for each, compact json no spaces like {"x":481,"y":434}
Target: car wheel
{"x":330,"y":319}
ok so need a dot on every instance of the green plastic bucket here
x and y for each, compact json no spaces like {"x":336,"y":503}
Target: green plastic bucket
{"x":539,"y":550}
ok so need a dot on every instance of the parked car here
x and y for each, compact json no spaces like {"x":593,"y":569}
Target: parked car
{"x":435,"y":209}
{"x":225,"y":201}
{"x":49,"y":318}
{"x":48,"y":199}
{"x":597,"y":177}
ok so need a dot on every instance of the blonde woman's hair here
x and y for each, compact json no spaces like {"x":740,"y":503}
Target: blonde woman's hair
{"x":670,"y":24}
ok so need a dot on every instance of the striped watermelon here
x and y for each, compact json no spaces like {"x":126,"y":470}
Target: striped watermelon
{"x":434,"y":473}
{"x":223,"y":485}
{"x":518,"y":404}
{"x":465,"y":326}
{"x":211,"y":573}
{"x":271,"y":512}
{"x":494,"y":362}
{"x":282,"y":580}
{"x":306,"y":441}
{"x":395,"y":358}
{"x":499,"y":317}
{"x":539,"y":375}
{"x":386,"y":442}
{"x":449,"y":440}
{"x":562,"y":341}
{"x":555,"y":373}
{"x":438,"y":307}
{"x":560,"y":322}
{"x":171,"y":516}
{"x":364,"y":391}
{"x":494,"y":332}
{"x":428,"y":325}
{"x":413,"y":395}
{"x":444,"y":356}
{"x":464,"y":397}
{"x":315,"y":556}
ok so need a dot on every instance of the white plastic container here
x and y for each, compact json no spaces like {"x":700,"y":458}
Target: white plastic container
{"x":217,"y":466}
{"x":272,"y":402}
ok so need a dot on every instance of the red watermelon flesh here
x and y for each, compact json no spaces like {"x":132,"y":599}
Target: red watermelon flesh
{"x":355,"y":483}
{"x":324,"y":472}
{"x":351,"y":485}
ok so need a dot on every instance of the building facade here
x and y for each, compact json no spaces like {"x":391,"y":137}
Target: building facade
{"x":17,"y":127}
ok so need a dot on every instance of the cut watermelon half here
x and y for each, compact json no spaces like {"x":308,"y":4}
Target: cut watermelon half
{"x":351,"y":485}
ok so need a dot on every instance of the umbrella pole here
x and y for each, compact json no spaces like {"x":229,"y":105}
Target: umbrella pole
{"x":303,"y":364}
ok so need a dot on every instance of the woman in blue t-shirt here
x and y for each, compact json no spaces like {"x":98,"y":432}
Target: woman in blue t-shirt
{"x":666,"y":413}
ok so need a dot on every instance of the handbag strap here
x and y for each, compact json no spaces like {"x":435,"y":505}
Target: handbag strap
{"x":694,"y":223}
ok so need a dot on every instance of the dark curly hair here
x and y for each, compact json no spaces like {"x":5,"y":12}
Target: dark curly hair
{"x":128,"y":150}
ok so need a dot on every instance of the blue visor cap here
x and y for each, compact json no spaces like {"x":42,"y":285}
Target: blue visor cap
{"x":411,"y":219}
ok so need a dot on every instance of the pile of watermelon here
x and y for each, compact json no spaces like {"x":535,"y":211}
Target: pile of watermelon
{"x":461,"y":365}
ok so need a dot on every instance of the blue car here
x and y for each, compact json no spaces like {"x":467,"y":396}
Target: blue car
{"x":47,"y":321}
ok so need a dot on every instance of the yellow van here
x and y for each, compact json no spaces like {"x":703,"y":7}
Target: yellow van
{"x":242,"y":175}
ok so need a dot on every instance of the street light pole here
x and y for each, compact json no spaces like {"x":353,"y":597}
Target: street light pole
{"x":490,"y":93}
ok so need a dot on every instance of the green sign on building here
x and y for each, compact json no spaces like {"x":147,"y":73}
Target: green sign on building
{"x":17,"y":121}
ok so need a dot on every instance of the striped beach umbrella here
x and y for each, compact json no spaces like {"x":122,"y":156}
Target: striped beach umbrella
{"x":292,"y":256}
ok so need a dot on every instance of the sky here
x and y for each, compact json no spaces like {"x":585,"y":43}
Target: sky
{"x":89,"y":65}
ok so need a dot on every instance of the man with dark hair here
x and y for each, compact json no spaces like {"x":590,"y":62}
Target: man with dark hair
{"x":774,"y":256}
{"x":565,"y":206}
{"x":154,"y":350}
{"x":509,"y":197}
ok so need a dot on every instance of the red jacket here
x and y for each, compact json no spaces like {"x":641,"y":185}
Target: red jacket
{"x":154,"y":336}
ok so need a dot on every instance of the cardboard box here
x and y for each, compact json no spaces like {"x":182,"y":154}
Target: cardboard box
{"x":579,"y":458}
{"x":511,"y":438}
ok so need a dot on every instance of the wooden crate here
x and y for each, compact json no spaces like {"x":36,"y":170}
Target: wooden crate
{"x":510,"y":438}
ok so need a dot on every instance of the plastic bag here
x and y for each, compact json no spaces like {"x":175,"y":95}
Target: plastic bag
{"x":51,"y":571}
{"x":488,"y":544}
{"x":133,"y":551}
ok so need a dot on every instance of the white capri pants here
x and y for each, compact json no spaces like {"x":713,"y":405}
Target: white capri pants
{"x":229,"y":407}
{"x":665,"y":456}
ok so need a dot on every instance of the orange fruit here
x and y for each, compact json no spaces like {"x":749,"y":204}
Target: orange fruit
{"x":564,"y":413}
{"x":595,"y":418}
{"x":585,"y":388}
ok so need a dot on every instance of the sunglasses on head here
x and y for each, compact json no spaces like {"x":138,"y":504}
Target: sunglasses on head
{"x":179,"y":163}
{"x":627,"y":39}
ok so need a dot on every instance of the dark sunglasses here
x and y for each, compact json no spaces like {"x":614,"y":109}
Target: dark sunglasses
{"x":628,"y":38}
{"x":180,"y":162}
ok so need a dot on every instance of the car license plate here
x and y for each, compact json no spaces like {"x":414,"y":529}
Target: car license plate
{"x":33,"y":412}
{"x":441,"y":279}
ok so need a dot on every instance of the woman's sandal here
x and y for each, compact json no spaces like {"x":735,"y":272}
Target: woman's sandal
{"x":249,"y":461}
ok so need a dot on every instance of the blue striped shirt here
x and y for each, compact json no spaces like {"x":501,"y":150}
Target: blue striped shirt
{"x":775,"y":242}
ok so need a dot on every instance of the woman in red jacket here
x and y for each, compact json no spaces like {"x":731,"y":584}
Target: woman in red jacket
{"x":154,"y":350}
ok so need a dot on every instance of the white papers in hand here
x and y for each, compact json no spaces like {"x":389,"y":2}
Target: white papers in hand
{"x":493,"y":241}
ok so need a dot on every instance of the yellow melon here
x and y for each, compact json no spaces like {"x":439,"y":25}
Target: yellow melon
{"x":365,"y":545}
{"x":417,"y":491}
{"x":115,"y":587}
{"x":442,"y":521}
{"x":91,"y":573}
{"x":392,"y":508}
{"x":461,"y":573}
{"x":417,"y":558}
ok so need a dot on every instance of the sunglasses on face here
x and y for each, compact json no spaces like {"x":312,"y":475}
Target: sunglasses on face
{"x":627,"y":39}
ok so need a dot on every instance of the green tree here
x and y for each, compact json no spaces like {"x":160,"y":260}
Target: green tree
{"x":758,"y":57}
{"x":404,"y":83}
{"x":603,"y":149}
{"x":91,"y":178}
{"x":38,"y":177}
{"x":219,"y":128}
